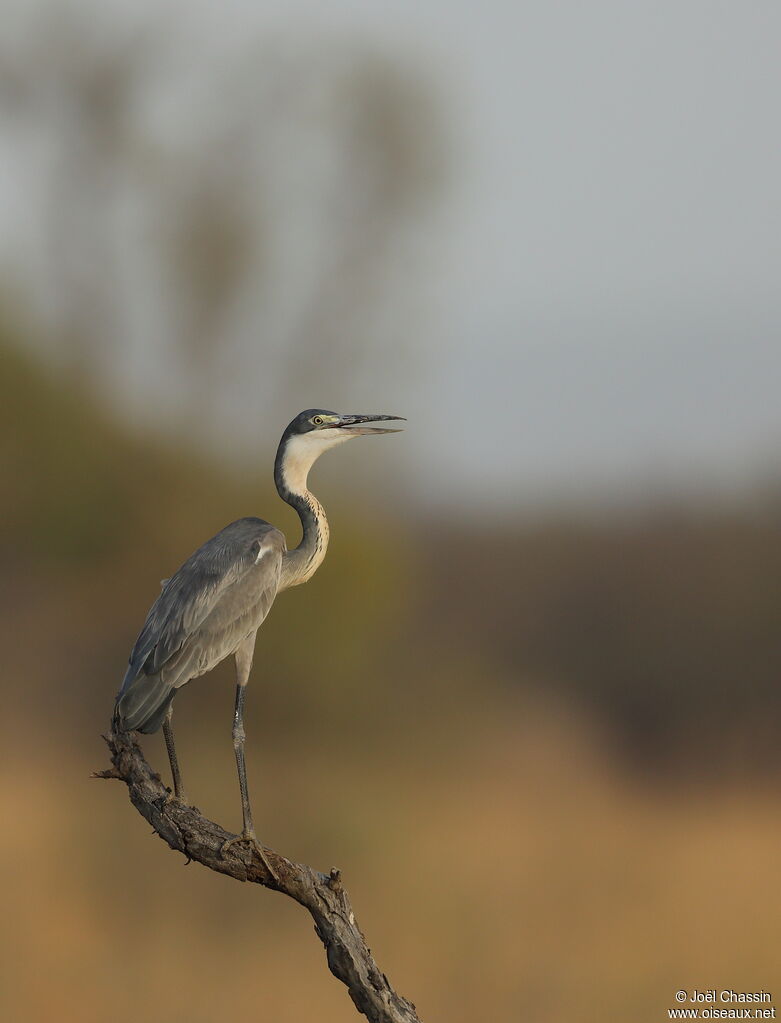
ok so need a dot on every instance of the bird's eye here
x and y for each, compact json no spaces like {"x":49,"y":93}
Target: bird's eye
{"x":318,"y":421}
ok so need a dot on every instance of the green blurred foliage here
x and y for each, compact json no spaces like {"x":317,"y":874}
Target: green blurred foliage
{"x":67,"y":493}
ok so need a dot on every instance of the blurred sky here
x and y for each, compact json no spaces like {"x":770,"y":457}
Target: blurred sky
{"x":602,"y":307}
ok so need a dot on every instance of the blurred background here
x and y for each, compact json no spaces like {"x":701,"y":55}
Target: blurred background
{"x":532,"y":711}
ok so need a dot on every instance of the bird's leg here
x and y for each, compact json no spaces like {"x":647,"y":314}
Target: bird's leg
{"x":243,"y":665}
{"x":238,"y":747}
{"x":168,"y":732}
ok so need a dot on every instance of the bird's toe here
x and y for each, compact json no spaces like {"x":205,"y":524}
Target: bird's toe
{"x":254,"y":843}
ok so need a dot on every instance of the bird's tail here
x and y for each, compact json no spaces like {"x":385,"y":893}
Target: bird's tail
{"x":143,"y":705}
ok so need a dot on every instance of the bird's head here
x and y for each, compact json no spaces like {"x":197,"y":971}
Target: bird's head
{"x":314,"y":431}
{"x":320,"y":426}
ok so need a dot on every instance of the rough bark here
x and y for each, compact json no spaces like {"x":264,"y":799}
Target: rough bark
{"x":185,"y":829}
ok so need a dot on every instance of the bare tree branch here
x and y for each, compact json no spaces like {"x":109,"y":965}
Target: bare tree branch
{"x":186,"y":830}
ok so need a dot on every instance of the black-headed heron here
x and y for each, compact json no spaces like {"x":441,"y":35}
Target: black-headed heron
{"x":213,"y":605}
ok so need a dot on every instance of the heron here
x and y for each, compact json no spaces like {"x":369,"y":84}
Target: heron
{"x":212,"y":607}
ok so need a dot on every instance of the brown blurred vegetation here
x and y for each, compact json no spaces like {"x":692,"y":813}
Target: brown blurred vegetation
{"x":543,"y":756}
{"x":661,"y":622}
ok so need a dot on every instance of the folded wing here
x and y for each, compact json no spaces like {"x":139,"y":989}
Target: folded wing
{"x":216,"y":600}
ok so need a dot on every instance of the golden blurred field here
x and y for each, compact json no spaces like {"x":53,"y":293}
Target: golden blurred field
{"x":507,"y":873}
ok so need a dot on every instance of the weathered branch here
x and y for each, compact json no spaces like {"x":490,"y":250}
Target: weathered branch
{"x":185,"y":829}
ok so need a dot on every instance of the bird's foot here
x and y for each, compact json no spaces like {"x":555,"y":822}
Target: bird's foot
{"x":252,"y":841}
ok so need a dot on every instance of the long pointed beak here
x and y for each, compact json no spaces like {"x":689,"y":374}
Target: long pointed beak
{"x":353,"y":427}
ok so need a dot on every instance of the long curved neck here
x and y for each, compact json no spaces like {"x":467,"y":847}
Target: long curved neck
{"x":291,"y":469}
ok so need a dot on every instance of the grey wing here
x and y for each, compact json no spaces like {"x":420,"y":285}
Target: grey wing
{"x":216,"y":599}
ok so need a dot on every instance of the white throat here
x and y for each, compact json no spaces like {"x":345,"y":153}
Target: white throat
{"x":301,"y":453}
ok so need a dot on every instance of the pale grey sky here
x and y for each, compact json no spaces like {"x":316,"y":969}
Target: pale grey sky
{"x":602,"y":303}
